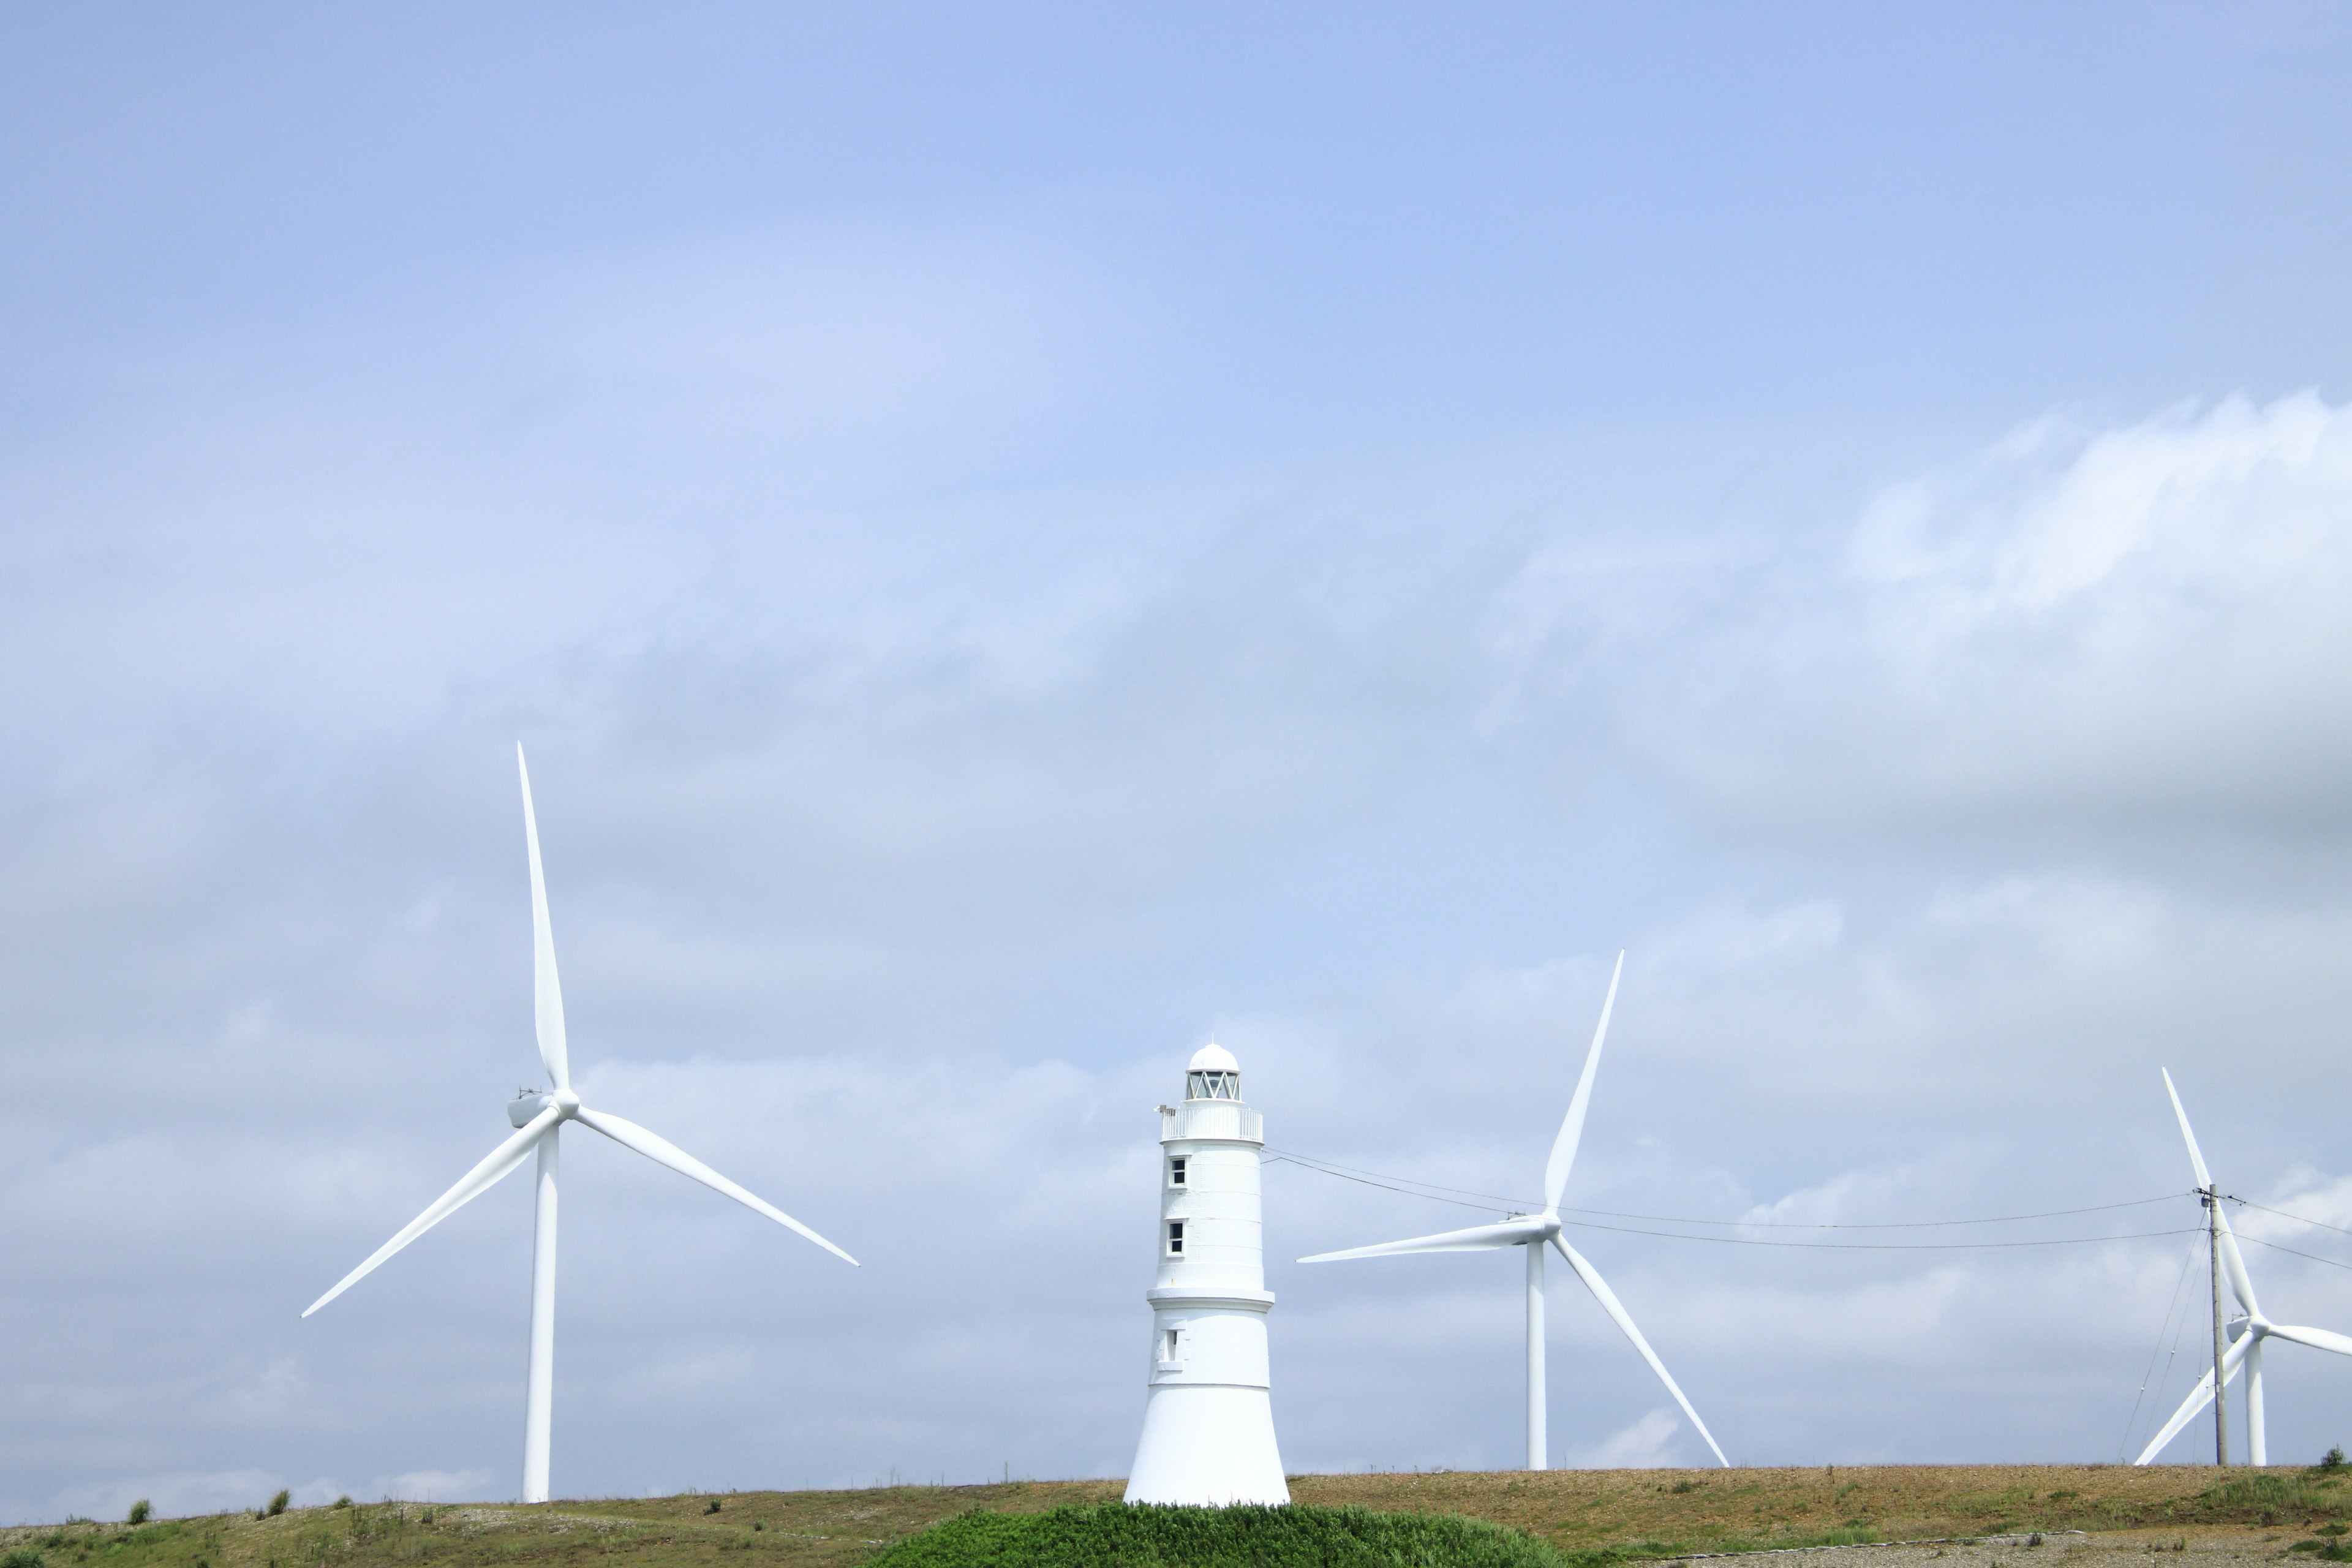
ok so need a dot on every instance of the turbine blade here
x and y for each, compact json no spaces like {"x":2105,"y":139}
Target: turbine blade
{"x":471,"y":1185}
{"x":1616,"y":1309}
{"x":2196,"y":1155}
{"x":2199,"y":1398}
{"x":1478,"y":1238}
{"x":2318,"y":1339}
{"x":662,"y":1151}
{"x":1563,"y":1148}
{"x":2234,"y":1262}
{"x":546,"y":991}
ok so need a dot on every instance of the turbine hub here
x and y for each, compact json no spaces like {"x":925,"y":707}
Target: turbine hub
{"x":567,"y":1102}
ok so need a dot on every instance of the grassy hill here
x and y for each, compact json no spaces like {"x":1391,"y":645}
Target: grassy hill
{"x":1589,"y":1517}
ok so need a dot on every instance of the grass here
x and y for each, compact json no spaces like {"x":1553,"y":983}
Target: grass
{"x":1112,"y":1535}
{"x":1590,"y":1518}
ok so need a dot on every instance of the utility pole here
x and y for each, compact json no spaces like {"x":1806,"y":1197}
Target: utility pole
{"x":2220,"y":1340}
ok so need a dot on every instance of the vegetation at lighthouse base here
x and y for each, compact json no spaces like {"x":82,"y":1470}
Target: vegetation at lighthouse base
{"x":1115,"y":1535}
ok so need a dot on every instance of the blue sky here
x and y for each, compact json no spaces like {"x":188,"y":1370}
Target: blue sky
{"x":1018,"y":540}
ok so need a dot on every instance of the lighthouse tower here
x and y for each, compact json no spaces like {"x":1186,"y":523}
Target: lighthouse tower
{"x":1208,"y":1427}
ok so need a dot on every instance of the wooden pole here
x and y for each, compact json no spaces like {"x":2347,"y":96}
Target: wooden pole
{"x":2220,"y":1337}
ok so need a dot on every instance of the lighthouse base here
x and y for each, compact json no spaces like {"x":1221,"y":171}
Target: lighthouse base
{"x":1207,"y":1445}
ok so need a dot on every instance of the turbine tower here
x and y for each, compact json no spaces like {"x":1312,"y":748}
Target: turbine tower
{"x":2246,"y":1333}
{"x":1208,"y":1419}
{"x":539,"y":1121}
{"x":1532,"y":1232}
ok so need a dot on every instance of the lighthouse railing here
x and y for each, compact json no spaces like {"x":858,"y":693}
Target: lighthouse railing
{"x":1211,"y":1119}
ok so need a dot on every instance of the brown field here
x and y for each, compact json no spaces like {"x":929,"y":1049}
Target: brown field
{"x":1593,"y":1516}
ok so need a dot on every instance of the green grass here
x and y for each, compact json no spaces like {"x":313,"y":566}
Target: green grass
{"x":1114,"y":1535}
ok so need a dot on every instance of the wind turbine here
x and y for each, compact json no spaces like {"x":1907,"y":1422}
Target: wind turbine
{"x":1532,"y":1231}
{"x":2246,"y":1349}
{"x":539,"y":1121}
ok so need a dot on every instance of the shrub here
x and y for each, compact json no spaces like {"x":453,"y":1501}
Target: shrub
{"x":23,"y":1557}
{"x":138,"y":1514}
{"x":713,"y":1506}
{"x":2332,"y":1461}
{"x":1083,"y":1536}
{"x":278,"y":1504}
{"x":344,"y":1501}
{"x":2283,"y":1493}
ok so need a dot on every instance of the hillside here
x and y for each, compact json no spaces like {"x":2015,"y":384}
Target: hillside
{"x":1595,"y":1516}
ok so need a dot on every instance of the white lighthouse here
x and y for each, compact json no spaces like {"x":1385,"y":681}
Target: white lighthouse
{"x":1208,"y":1427}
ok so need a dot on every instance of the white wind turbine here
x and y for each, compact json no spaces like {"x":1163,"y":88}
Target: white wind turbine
{"x":1531,"y":1231}
{"x":538,"y":1120}
{"x":2246,"y":1349}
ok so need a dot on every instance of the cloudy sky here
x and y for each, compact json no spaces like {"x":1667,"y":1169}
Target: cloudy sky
{"x":1021,"y":539}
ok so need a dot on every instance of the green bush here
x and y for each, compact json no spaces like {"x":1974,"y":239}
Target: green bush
{"x":23,"y":1557}
{"x":138,"y":1514}
{"x":2332,"y":1461}
{"x":2281,"y":1493}
{"x":1111,"y":1535}
{"x":278,"y":1504}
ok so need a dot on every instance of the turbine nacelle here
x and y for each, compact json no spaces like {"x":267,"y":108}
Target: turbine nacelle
{"x":2246,"y":1332}
{"x":566,"y":1103}
{"x":1535,"y":1232}
{"x":538,"y":1119}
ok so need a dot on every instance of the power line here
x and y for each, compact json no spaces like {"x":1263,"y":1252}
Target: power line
{"x":1890,"y":1246}
{"x":2299,"y":1219}
{"x":1413,"y":1188}
{"x":1386,"y":1187}
{"x":1330,"y":1169}
{"x":2149,"y":1375}
{"x":2290,"y":1252}
{"x":1887,"y":1224}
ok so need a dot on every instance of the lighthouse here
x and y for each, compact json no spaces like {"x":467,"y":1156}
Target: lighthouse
{"x":1208,"y":1422}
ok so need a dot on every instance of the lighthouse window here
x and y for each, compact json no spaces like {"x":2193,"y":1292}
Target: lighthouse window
{"x":1213,"y":1086}
{"x":1175,"y":1238}
{"x":1168,"y":1344}
{"x":1176,"y":1172}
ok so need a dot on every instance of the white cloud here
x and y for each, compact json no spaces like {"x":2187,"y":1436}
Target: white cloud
{"x":1647,"y":1444}
{"x":898,"y":852}
{"x":2105,"y":630}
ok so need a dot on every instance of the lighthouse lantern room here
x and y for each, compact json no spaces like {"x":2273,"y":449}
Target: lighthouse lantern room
{"x":1208,"y":1423}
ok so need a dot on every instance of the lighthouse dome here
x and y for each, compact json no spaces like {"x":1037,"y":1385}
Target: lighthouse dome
{"x":1213,"y":1075}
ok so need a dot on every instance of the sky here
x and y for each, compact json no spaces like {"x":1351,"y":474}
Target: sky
{"x":1020,"y":540}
